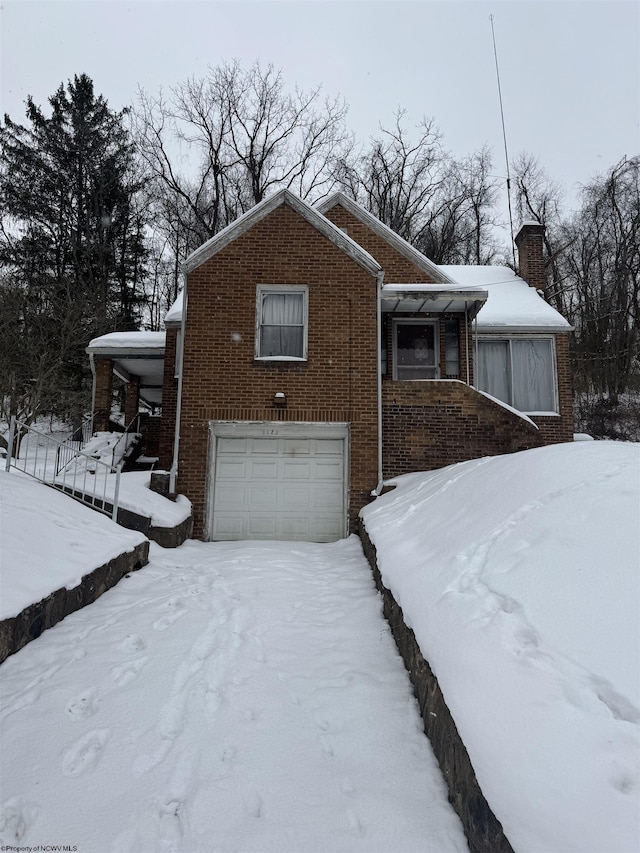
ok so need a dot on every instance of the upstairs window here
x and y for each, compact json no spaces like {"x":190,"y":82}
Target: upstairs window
{"x":416,"y":350}
{"x":519,"y":371}
{"x":281,"y":328}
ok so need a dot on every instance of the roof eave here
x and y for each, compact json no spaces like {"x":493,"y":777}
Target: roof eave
{"x":128,"y":352}
{"x":512,"y":328}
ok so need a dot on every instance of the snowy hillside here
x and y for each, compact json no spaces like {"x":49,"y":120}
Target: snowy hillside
{"x":520,"y":576}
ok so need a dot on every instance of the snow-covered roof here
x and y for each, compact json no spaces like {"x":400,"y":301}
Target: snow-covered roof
{"x":512,"y":304}
{"x":174,"y":314}
{"x":263,"y":209}
{"x":151,"y":343}
{"x":410,"y":252}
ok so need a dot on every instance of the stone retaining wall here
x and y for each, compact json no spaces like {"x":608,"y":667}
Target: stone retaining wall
{"x":19,"y":630}
{"x":483,"y":830}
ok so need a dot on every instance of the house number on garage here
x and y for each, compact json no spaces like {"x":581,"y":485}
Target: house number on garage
{"x":270,"y":432}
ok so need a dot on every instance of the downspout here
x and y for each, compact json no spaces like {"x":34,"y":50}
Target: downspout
{"x":173,"y":473}
{"x":379,"y":280}
{"x":475,"y":342}
{"x":466,"y":341}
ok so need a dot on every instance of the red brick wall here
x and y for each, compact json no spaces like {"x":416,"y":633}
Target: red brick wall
{"x":131,"y":399}
{"x":397,"y":268}
{"x":169,"y":399}
{"x":221,"y":378}
{"x":531,"y":267}
{"x":428,"y":425}
{"x":103,"y":392}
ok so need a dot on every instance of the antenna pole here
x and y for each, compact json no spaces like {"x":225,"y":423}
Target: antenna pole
{"x":504,"y":137}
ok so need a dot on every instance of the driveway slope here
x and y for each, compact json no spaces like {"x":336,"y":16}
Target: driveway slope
{"x":228,"y":697}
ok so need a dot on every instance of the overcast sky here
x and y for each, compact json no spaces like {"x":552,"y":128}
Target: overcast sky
{"x":570,"y":71}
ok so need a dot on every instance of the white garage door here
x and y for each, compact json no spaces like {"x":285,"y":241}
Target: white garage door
{"x":281,"y":486}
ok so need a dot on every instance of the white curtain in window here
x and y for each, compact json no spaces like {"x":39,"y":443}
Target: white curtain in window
{"x":282,"y":327}
{"x":492,"y":369}
{"x":532,"y":375}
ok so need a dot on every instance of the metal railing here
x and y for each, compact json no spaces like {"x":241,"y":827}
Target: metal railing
{"x":121,"y":447}
{"x":80,"y":437}
{"x":84,"y":477}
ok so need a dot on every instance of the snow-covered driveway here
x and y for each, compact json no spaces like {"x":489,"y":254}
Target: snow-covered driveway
{"x":228,"y":697}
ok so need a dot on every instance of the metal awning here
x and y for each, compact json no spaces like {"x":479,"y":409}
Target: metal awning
{"x":436,"y":299}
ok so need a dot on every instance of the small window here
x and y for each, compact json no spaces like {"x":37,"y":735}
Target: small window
{"x":520,"y":372}
{"x":416,"y":350}
{"x":281,"y":331}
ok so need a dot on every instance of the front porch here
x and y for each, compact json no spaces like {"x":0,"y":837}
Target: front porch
{"x":129,"y":365}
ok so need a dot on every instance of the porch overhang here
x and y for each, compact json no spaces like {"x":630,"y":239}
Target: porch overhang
{"x":134,"y":354}
{"x":432,"y":299}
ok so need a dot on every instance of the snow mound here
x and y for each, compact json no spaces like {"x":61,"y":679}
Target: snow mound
{"x":49,"y":541}
{"x":520,"y":576}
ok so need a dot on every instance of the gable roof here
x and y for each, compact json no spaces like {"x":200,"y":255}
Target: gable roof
{"x":383,"y":231}
{"x":263,"y":209}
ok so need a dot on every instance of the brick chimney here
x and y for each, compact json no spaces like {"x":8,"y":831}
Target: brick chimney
{"x":530,"y":243}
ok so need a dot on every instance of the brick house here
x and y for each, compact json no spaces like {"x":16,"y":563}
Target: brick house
{"x":313,"y":353}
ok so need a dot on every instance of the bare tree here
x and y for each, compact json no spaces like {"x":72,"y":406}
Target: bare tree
{"x":540,"y":199}
{"x":460,"y":227}
{"x":603,"y":265}
{"x":411,"y":183}
{"x":593,"y":267}
{"x":239,"y":135}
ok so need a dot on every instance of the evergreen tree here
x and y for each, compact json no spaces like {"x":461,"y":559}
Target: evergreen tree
{"x":72,"y":246}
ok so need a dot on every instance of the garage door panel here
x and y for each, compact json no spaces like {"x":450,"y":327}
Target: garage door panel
{"x":262,"y":469}
{"x":323,"y":526}
{"x":296,"y":526}
{"x":295,"y":469}
{"x":230,"y":526}
{"x":232,"y":445}
{"x":328,"y":469}
{"x":276,"y":487}
{"x":294,"y":498}
{"x":267,"y":446}
{"x":232,"y":496}
{"x":327,"y":447}
{"x":232,"y":468}
{"x":296,"y":447}
{"x":326,"y":498}
{"x":262,"y":526}
{"x":262,"y":498}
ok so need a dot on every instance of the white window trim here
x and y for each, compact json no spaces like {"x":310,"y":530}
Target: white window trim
{"x":554,"y":366}
{"x":415,"y":321}
{"x":262,"y":290}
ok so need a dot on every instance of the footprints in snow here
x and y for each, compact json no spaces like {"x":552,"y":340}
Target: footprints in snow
{"x":84,"y":706}
{"x":86,"y":753}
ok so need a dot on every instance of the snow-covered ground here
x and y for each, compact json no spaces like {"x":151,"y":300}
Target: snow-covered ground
{"x":227,"y":697}
{"x":520,"y":576}
{"x":49,"y":541}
